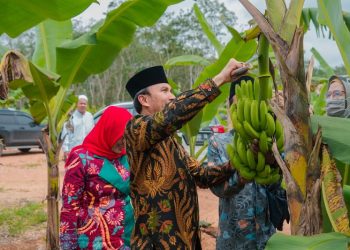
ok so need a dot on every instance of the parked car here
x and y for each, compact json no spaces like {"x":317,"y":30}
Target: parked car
{"x":202,"y":136}
{"x":18,"y":130}
{"x":127,"y":105}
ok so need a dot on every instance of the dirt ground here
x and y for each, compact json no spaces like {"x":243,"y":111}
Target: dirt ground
{"x":23,"y":178}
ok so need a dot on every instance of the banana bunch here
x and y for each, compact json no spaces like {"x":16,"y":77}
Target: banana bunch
{"x":256,"y":129}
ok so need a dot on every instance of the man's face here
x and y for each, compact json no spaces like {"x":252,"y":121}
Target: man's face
{"x":159,"y":95}
{"x":336,"y":90}
{"x":82,"y":106}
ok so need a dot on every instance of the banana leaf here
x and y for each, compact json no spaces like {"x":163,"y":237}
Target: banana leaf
{"x":324,"y":241}
{"x":332,"y":194}
{"x":330,"y":15}
{"x":19,"y":15}
{"x":96,"y":51}
{"x":207,"y":30}
{"x":276,"y":9}
{"x":324,"y":65}
{"x":336,"y":133}
{"x":49,"y":35}
{"x":291,"y":20}
{"x":186,"y":60}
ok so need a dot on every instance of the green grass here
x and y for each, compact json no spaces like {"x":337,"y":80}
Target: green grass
{"x":18,"y":220}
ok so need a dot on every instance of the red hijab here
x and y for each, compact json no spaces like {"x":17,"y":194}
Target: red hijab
{"x":108,"y":130}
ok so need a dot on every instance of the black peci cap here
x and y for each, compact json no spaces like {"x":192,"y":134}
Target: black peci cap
{"x":146,"y":78}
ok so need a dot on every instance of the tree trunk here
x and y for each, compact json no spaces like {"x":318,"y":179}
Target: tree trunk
{"x":301,"y":157}
{"x":52,"y":157}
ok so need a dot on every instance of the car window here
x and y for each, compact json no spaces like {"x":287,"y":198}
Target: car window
{"x":21,"y":119}
{"x":7,"y":119}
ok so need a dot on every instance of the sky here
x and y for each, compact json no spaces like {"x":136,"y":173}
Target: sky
{"x":326,"y":47}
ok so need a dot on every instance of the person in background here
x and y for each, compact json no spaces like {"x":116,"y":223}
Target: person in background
{"x":164,"y":178}
{"x":338,"y":97}
{"x":244,"y":221}
{"x":77,"y":127}
{"x":96,"y":211}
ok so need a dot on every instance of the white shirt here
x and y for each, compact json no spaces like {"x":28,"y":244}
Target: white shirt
{"x":75,"y":134}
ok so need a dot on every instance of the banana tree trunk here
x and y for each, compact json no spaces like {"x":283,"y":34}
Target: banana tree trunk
{"x":302,"y":171}
{"x":52,"y":157}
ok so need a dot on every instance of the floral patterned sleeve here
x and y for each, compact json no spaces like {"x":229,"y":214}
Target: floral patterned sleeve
{"x":217,"y":156}
{"x":146,"y":131}
{"x":72,"y":195}
{"x":207,"y":176}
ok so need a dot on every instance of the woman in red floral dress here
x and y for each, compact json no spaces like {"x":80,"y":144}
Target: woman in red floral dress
{"x":96,"y":211}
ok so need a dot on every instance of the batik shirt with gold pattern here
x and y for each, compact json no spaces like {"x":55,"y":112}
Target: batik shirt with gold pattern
{"x":164,"y":177}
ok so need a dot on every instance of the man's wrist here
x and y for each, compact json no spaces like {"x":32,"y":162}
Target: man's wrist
{"x":218,"y":80}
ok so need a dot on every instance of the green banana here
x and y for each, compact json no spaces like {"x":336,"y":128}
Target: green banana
{"x":262,"y":114}
{"x":247,"y":105}
{"x":240,"y":130}
{"x":251,"y":132}
{"x":230,"y":152}
{"x":275,"y":178}
{"x":238,"y":91}
{"x":241,"y":150}
{"x":237,"y":164}
{"x":256,"y":86}
{"x":270,"y":125}
{"x":279,"y":129}
{"x":254,"y":115}
{"x":263,"y":146}
{"x":250,"y":89}
{"x":234,"y":118}
{"x":265,"y":172}
{"x":269,"y":90}
{"x":244,"y":87}
{"x":247,"y":174}
{"x":251,"y":159}
{"x":235,"y":140}
{"x":261,"y":162}
{"x":262,"y":180}
{"x":280,"y":143}
{"x":240,"y":109}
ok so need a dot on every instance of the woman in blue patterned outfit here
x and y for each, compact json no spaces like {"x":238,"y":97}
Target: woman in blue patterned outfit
{"x":244,"y":221}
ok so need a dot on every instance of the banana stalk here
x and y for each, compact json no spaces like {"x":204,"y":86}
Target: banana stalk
{"x":263,"y":62}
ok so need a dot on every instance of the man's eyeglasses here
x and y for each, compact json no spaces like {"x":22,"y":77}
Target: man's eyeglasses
{"x":335,"y":93}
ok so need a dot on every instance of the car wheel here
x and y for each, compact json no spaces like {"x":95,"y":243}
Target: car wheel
{"x":24,"y":150}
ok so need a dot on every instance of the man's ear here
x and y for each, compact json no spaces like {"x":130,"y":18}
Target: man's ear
{"x":143,"y":99}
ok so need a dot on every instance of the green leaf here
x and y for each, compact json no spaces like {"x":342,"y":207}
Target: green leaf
{"x":276,"y":9}
{"x":291,"y":20}
{"x":324,"y":65}
{"x":310,"y":15}
{"x":331,"y":13}
{"x":18,"y":15}
{"x":42,"y":90}
{"x":319,"y":102}
{"x":95,"y":52}
{"x":207,"y":30}
{"x":336,"y":133}
{"x":42,"y":87}
{"x":49,"y":35}
{"x":235,"y":34}
{"x":186,"y":60}
{"x":323,"y":241}
{"x":241,"y":51}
